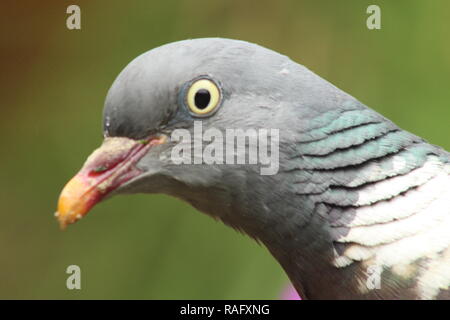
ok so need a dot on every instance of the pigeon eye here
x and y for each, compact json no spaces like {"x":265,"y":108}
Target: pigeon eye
{"x":203,"y":97}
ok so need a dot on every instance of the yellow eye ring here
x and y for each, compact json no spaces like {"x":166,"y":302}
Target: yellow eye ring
{"x":203,"y":97}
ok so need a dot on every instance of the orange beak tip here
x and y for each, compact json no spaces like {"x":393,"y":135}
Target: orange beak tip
{"x":75,"y":201}
{"x":62,"y":223}
{"x":62,"y":226}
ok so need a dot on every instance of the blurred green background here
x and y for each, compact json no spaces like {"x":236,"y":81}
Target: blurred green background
{"x":52,"y":86}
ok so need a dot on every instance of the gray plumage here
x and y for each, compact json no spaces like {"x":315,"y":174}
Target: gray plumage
{"x":354,"y":193}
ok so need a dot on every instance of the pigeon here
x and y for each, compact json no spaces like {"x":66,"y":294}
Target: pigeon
{"x":348,"y":203}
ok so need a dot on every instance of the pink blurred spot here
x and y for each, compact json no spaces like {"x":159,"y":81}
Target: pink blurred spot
{"x":289,"y":293}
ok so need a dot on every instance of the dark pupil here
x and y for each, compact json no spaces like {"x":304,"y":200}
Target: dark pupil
{"x":202,"y":98}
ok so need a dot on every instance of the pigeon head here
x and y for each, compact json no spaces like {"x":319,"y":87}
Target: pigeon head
{"x":198,"y":91}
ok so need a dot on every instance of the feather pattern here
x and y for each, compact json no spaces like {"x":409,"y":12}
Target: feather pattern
{"x":384,"y":194}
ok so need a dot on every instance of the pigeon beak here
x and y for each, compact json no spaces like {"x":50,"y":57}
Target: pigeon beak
{"x":105,"y":170}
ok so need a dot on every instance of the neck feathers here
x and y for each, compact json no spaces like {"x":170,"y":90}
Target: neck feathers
{"x":381,"y":211}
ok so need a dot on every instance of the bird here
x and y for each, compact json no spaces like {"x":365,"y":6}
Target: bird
{"x":355,"y":208}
